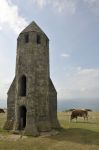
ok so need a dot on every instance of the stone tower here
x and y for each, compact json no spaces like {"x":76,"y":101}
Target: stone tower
{"x":32,"y":98}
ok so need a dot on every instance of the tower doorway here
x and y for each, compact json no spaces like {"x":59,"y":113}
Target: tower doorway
{"x":22,"y":117}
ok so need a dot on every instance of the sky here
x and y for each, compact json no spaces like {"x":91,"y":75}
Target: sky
{"x":73,"y":29}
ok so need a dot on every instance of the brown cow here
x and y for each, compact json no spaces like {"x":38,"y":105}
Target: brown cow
{"x":79,"y":113}
{"x":1,"y":110}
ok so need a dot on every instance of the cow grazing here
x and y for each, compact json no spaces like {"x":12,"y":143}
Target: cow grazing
{"x":79,"y":113}
{"x":1,"y":110}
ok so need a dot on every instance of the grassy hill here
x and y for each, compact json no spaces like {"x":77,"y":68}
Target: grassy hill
{"x":73,"y":136}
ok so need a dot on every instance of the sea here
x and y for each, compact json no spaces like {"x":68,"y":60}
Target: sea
{"x":66,"y":104}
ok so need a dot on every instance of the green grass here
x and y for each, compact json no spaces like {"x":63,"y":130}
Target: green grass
{"x":73,"y":136}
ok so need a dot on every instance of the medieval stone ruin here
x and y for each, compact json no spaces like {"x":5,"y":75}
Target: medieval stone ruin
{"x":32,"y":97}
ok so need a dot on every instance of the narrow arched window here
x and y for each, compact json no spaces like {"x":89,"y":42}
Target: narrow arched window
{"x":22,"y":117}
{"x":22,"y":86}
{"x":26,"y":38}
{"x":38,"y":39}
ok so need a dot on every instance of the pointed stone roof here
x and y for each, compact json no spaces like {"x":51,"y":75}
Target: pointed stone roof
{"x":33,"y":27}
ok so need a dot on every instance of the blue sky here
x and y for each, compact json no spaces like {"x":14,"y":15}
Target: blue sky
{"x":73,"y":29}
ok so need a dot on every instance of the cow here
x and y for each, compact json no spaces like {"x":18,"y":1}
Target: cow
{"x":1,"y":110}
{"x":79,"y":113}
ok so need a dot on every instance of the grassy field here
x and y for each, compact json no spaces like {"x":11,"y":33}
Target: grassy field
{"x":73,"y":136}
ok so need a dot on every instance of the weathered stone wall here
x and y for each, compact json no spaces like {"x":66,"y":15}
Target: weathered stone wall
{"x":53,"y":105}
{"x":40,"y":100}
{"x":11,"y":106}
{"x":33,"y":62}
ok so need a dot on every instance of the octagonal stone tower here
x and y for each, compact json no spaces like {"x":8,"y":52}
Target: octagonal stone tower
{"x":32,"y":98}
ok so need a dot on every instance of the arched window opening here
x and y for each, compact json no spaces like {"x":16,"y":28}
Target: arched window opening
{"x":22,"y":86}
{"x":26,"y":38}
{"x":22,"y":117}
{"x":38,"y":39}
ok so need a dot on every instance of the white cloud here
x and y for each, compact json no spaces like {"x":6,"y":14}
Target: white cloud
{"x":65,"y":5}
{"x":40,"y":3}
{"x":69,"y":6}
{"x":65,"y":55}
{"x":80,"y":83}
{"x":6,"y":77}
{"x":4,"y":89}
{"x":60,"y":5}
{"x":10,"y":17}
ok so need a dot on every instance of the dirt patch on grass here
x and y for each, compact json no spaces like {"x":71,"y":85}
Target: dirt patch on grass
{"x":12,"y":137}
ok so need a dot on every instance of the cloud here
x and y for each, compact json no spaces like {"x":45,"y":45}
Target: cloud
{"x":82,"y":83}
{"x":65,"y":55}
{"x":10,"y":17}
{"x":40,"y":3}
{"x":60,"y":5}
{"x":5,"y":78}
{"x":93,"y":5}
{"x":68,"y":6}
{"x":4,"y":89}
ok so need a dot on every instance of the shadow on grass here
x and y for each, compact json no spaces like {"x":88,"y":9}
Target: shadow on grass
{"x":78,"y":135}
{"x":86,"y":122}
